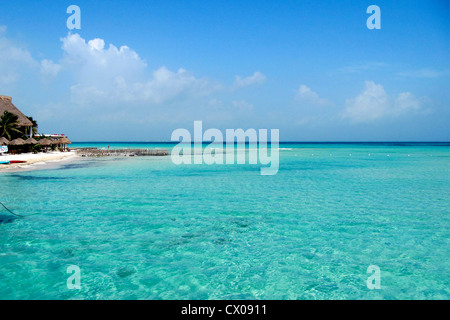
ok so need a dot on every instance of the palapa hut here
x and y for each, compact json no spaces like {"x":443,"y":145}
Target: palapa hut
{"x":62,"y":141}
{"x":45,"y":142}
{"x":7,"y":105}
{"x":31,"y":141}
{"x":26,"y":127}
{"x":4,"y":141}
{"x":16,"y":145}
{"x":65,"y":141}
{"x":17,"y":142}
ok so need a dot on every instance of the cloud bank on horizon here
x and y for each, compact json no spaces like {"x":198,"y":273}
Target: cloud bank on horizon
{"x":97,"y":90}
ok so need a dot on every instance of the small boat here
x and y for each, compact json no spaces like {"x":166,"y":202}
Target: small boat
{"x":17,"y":161}
{"x":4,"y":162}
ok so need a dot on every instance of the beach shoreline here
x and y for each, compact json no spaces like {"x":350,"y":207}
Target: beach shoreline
{"x":36,"y":161}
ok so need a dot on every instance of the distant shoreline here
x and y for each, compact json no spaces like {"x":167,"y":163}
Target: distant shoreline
{"x":367,"y":143}
{"x":281,"y":142}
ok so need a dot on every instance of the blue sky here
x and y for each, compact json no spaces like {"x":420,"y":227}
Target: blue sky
{"x":137,"y":70}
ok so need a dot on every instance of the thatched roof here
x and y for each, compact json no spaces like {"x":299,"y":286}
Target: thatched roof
{"x":31,"y":141}
{"x":7,"y":105}
{"x":65,"y":140}
{"x":17,"y":142}
{"x":4,"y":141}
{"x":45,"y":142}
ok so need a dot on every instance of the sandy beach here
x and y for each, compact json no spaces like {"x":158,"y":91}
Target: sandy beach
{"x":35,"y":161}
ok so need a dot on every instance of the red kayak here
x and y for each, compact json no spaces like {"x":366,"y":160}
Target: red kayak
{"x":17,"y":161}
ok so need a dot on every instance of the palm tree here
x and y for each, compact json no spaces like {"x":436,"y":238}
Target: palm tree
{"x":9,"y":126}
{"x":34,"y":126}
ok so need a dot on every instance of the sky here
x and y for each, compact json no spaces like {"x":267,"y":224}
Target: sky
{"x":138,"y":70}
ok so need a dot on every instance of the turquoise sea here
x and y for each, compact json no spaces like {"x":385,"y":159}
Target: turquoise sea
{"x":144,"y":228}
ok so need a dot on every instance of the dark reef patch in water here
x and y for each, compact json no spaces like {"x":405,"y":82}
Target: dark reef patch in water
{"x":126,"y":271}
{"x":80,"y":165}
{"x":220,"y":241}
{"x":26,"y":177}
{"x":4,"y":219}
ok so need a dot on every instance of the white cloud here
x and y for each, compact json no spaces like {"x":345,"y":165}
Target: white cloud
{"x":97,"y":44}
{"x":164,"y":85}
{"x":406,"y":102}
{"x":49,"y":69}
{"x":92,"y":64}
{"x":104,"y":80}
{"x":242,"y":105}
{"x":215,"y":104}
{"x":13,"y":60}
{"x":256,"y":78}
{"x":306,"y":95}
{"x":374,"y":103}
{"x":362,"y":67}
{"x":425,"y":73}
{"x":120,"y":75}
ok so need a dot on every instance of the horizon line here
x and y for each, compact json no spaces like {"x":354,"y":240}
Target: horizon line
{"x":283,"y":142}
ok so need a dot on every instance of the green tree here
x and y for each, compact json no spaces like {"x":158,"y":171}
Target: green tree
{"x":9,"y":127}
{"x":35,"y":126}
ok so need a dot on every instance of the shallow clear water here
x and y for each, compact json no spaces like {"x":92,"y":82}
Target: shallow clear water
{"x":144,"y":228}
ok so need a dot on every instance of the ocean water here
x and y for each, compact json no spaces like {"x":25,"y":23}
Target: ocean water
{"x":144,"y":228}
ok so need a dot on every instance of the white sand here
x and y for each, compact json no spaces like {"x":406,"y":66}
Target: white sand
{"x":35,"y":161}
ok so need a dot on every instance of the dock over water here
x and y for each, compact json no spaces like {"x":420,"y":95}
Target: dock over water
{"x":95,"y":152}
